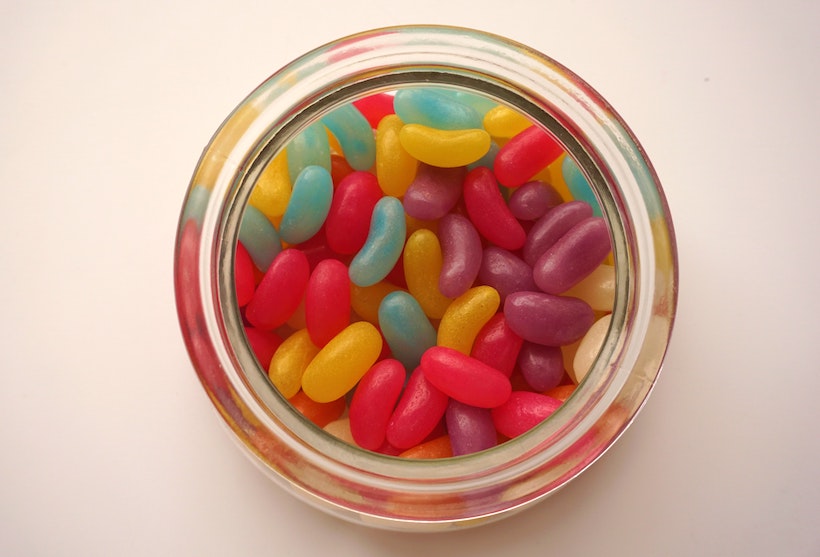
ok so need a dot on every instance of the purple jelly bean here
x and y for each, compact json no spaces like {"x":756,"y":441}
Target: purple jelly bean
{"x":573,"y":257}
{"x":470,"y":429}
{"x":461,"y":254}
{"x":549,"y":228}
{"x":434,"y":192}
{"x":546,"y":319}
{"x":505,"y":272}
{"x":542,"y":366}
{"x":532,"y":200}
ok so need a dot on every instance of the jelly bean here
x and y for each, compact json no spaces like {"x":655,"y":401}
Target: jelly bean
{"x":375,"y":107}
{"x":434,"y":192}
{"x":327,"y":301}
{"x":348,"y":220}
{"x":244,"y":275}
{"x":354,"y":134}
{"x":573,"y":257}
{"x":524,"y":155}
{"x":320,"y":413}
{"x":340,"y":429}
{"x":290,"y":361}
{"x":439,"y":447}
{"x":308,"y":206}
{"x":406,"y":328}
{"x":316,"y":249}
{"x":470,"y":429}
{"x":281,"y":290}
{"x":419,"y":410}
{"x":373,"y":403}
{"x":259,"y":237}
{"x":263,"y":344}
{"x":308,"y":148}
{"x":590,"y":346}
{"x":522,"y":412}
{"x":503,"y":121}
{"x":466,"y":316}
{"x":461,"y":255}
{"x":546,"y":319}
{"x":479,"y":103}
{"x":542,"y":366}
{"x":505,"y":272}
{"x":195,"y":205}
{"x":465,"y":378}
{"x":395,"y":167}
{"x":445,"y":148}
{"x":297,"y":319}
{"x":578,"y":185}
{"x":488,"y":211}
{"x":548,"y":229}
{"x":272,"y":190}
{"x":422,"y":268}
{"x":497,"y":345}
{"x":429,"y":107}
{"x":561,"y":392}
{"x":384,"y":243}
{"x":487,"y":160}
{"x":597,"y":289}
{"x":367,"y":299}
{"x":532,"y":200}
{"x":342,"y":362}
{"x":339,"y":168}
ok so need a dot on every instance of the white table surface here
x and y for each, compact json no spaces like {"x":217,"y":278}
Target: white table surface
{"x":109,"y":444}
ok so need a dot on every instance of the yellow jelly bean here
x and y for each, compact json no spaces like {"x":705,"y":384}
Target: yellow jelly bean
{"x":395,"y":168}
{"x":365,"y":300}
{"x":589,"y":347}
{"x":422,"y":267}
{"x":290,"y":361}
{"x":335,"y":146}
{"x":504,"y":122}
{"x":444,"y":148}
{"x":272,"y":191}
{"x":342,"y":362}
{"x":597,"y":289}
{"x":298,"y":319}
{"x":554,"y":176}
{"x":466,"y":315}
{"x":340,"y":429}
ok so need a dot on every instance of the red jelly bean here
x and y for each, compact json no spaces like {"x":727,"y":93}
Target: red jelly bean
{"x":244,"y":276}
{"x":281,"y":290}
{"x":488,"y":211}
{"x":573,"y":257}
{"x":465,"y":378}
{"x":375,"y":107}
{"x":526,"y":154}
{"x":418,"y":412}
{"x":523,"y":411}
{"x":339,"y":168}
{"x":348,"y":221}
{"x":263,"y":344}
{"x":373,"y":403}
{"x":327,"y":301}
{"x":497,"y":345}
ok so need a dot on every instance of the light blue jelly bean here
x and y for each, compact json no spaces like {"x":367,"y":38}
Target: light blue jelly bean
{"x":195,"y":205}
{"x":432,"y":108}
{"x":384,"y":243}
{"x":308,"y":206}
{"x":354,"y":134}
{"x":488,"y":159}
{"x":479,"y":103}
{"x":259,"y":237}
{"x":578,"y":185}
{"x":309,"y":148}
{"x":406,"y":329}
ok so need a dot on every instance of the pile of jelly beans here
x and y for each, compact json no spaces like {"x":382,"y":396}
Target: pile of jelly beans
{"x":424,"y":273}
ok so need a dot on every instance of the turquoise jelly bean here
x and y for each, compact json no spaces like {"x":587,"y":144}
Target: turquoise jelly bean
{"x":354,"y":134}
{"x":260,"y":238}
{"x":195,"y":205}
{"x":308,"y":206}
{"x":406,"y":329}
{"x":578,"y":185}
{"x":384,"y":243}
{"x":488,"y":159}
{"x":432,"y":108}
{"x":479,"y":103}
{"x":310,"y":147}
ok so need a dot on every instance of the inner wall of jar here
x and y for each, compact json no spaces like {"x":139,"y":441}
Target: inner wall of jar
{"x":279,"y":410}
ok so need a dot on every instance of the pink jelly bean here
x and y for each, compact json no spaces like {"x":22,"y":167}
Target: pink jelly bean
{"x":434,"y":192}
{"x":523,"y":411}
{"x":281,"y":290}
{"x":505,"y":272}
{"x":470,"y":429}
{"x":263,"y":344}
{"x":489,"y":212}
{"x":526,"y":154}
{"x":549,"y":228}
{"x":244,"y":276}
{"x":373,"y":403}
{"x":497,"y":345}
{"x":532,"y":200}
{"x":542,"y":366}
{"x":465,"y":378}
{"x":547,"y":319}
{"x":417,"y":413}
{"x":327,"y":301}
{"x":461,"y":255}
{"x":348,"y":221}
{"x":375,"y":107}
{"x":573,"y":257}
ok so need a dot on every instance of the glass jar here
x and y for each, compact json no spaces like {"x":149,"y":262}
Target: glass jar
{"x":380,"y":490}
